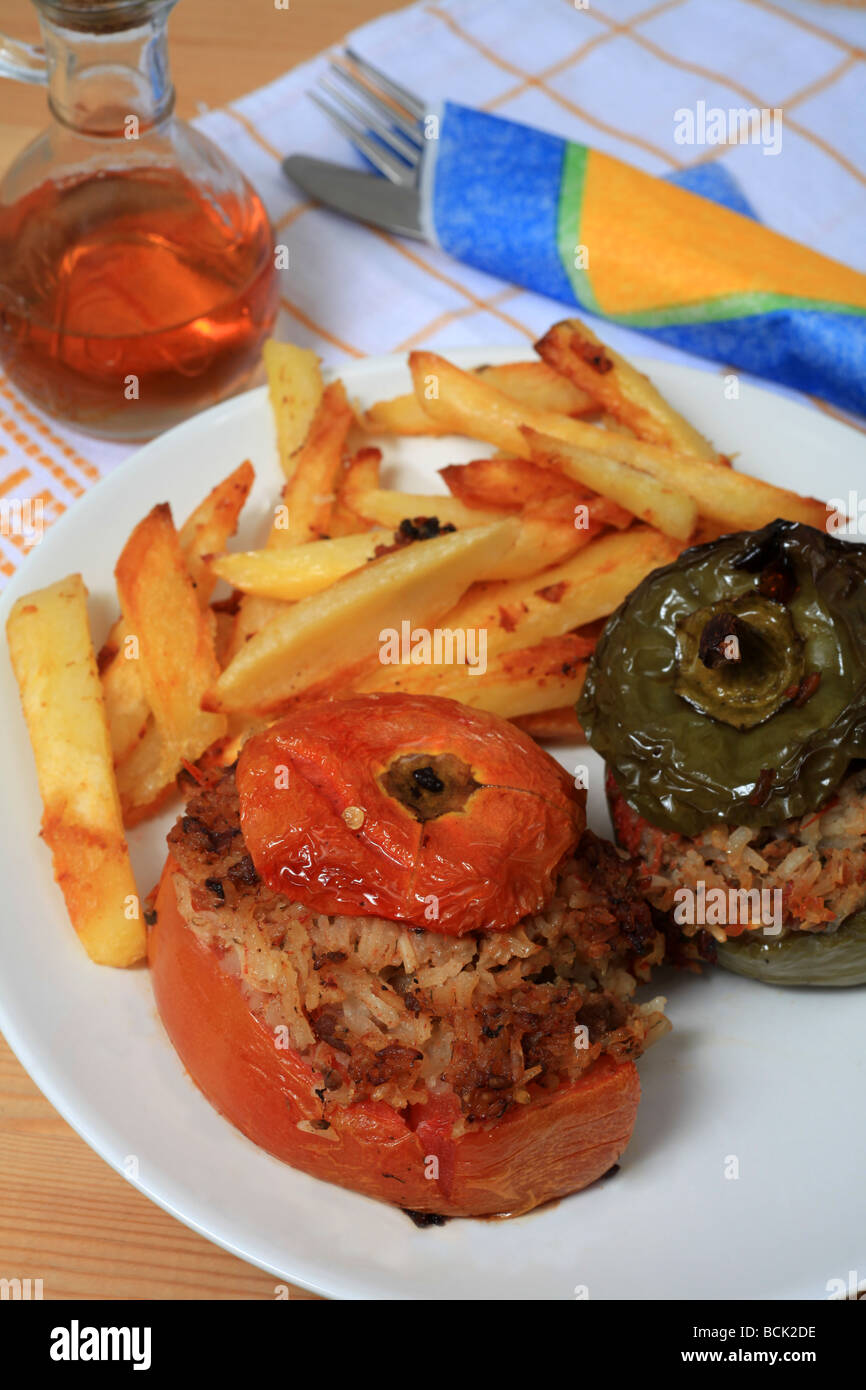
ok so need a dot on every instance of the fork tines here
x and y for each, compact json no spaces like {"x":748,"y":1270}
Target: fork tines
{"x":379,"y":117}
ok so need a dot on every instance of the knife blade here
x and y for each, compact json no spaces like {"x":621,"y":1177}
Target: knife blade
{"x":364,"y":197}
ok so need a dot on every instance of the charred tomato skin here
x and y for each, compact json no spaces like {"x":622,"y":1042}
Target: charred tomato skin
{"x":413,"y":808}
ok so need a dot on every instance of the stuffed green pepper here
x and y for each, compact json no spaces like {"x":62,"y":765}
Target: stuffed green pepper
{"x":727,"y":696}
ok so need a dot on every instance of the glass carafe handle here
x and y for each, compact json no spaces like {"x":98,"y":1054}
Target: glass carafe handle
{"x":24,"y":62}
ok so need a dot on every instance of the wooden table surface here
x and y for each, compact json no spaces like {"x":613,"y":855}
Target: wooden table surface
{"x":65,"y":1216}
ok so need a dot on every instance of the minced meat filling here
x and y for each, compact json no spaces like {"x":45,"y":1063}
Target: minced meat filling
{"x":393,"y":1013}
{"x":815,"y":863}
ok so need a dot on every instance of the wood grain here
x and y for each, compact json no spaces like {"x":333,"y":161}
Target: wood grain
{"x":70,"y":1220}
{"x":219,"y":49}
{"x":65,"y":1216}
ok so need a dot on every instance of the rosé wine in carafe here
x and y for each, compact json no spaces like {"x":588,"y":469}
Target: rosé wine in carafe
{"x":137,"y":278}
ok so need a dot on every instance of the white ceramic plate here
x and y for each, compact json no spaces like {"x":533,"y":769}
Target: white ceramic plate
{"x":769,"y":1082}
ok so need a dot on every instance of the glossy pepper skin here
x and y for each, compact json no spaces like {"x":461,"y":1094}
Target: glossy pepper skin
{"x":409,"y":807}
{"x":682,"y":768}
{"x":559,"y":1143}
{"x":804,"y":958}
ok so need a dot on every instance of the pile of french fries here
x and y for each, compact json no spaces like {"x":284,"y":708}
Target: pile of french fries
{"x":590,"y":480}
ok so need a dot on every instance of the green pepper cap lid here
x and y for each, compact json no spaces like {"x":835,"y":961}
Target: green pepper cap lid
{"x":695,"y":737}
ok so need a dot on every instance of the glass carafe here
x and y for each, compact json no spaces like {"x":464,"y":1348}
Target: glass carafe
{"x":137,"y":277}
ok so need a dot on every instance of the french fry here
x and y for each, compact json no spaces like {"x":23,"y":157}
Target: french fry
{"x":55,"y":666}
{"x":177,"y":663}
{"x":516,"y":484}
{"x":672,"y":512}
{"x":548,"y":532}
{"x":340,"y":626}
{"x":532,"y":383}
{"x":464,"y":403}
{"x":254,"y":612}
{"x":362,"y":471}
{"x":514,"y":683}
{"x":511,"y":696}
{"x":737,"y":500}
{"x":474,"y":408}
{"x":224,"y":615}
{"x":618,"y":388}
{"x":388,"y":508}
{"x":306,"y":506}
{"x":538,"y":385}
{"x":241,"y":727}
{"x":523,"y":612}
{"x":310,"y":493}
{"x":507,"y":483}
{"x":559,"y":723}
{"x":126,"y":708}
{"x":707,"y":530}
{"x":401,"y":415}
{"x":543,"y":540}
{"x":206,"y":530}
{"x":143,"y":782}
{"x":305,"y":569}
{"x":295,"y":390}
{"x":499,"y":692}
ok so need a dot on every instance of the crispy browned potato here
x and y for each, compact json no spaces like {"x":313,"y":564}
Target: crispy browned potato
{"x":511,"y":684}
{"x":177,"y":662}
{"x":317,"y":637}
{"x":307,"y":504}
{"x":143,"y":782}
{"x":736,"y":500}
{"x":464,"y":403}
{"x":672,"y":512}
{"x":400,"y":415}
{"x":204,"y":532}
{"x":618,"y":388}
{"x":523,"y":612}
{"x":517,"y":484}
{"x":214,"y":521}
{"x":254,"y":612}
{"x":361,"y":471}
{"x":224,"y":614}
{"x":507,"y":483}
{"x":707,"y":530}
{"x":548,"y":535}
{"x":295,"y":390}
{"x":55,"y":666}
{"x":386,"y":507}
{"x":519,"y":614}
{"x":538,"y":385}
{"x":472,"y":407}
{"x":509,"y":696}
{"x":126,"y":708}
{"x":306,"y":507}
{"x":561,"y":723}
{"x":310,"y":493}
{"x":549,"y":530}
{"x":531,"y":383}
{"x":294,"y":573}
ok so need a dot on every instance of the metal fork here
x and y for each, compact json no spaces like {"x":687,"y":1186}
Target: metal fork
{"x":384,"y":122}
{"x":380,"y":118}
